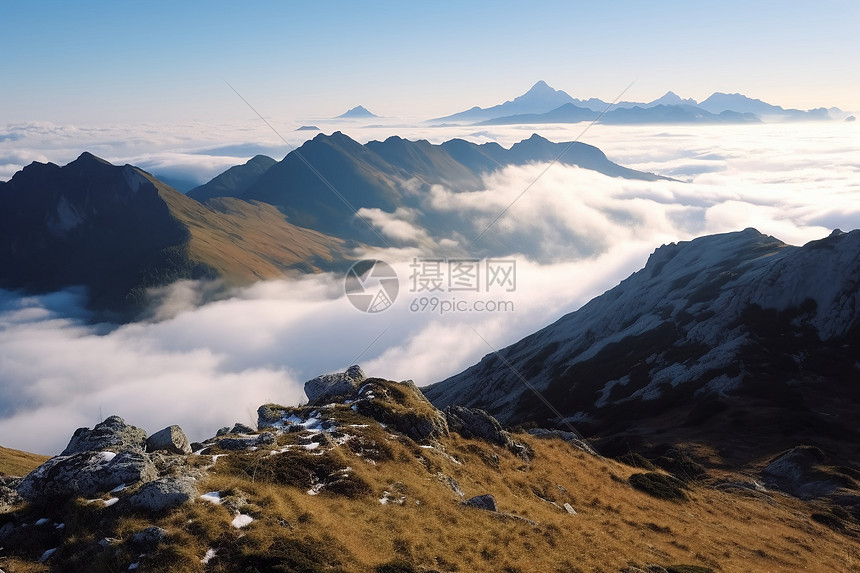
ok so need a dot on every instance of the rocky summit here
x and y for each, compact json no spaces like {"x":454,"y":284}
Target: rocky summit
{"x":371,"y":477}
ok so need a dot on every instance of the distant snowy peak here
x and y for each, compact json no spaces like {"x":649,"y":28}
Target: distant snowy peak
{"x":693,"y":321}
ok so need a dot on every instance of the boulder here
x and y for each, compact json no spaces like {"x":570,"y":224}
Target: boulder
{"x":164,"y":493}
{"x":149,"y":538}
{"x":246,"y":442}
{"x":240,"y":428}
{"x":85,"y":474}
{"x":171,"y":439}
{"x":329,"y":385}
{"x":112,"y":435}
{"x":486,"y":502}
{"x":476,"y":423}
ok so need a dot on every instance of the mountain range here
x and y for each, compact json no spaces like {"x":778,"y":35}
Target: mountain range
{"x":544,"y":104}
{"x":324,"y":182}
{"x":119,"y":231}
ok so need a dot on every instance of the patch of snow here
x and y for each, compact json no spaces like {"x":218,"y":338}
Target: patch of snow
{"x":134,"y":566}
{"x":60,"y":525}
{"x":47,"y":554}
{"x":315,"y":489}
{"x":107,"y":456}
{"x":111,"y":501}
{"x":242,"y":520}
{"x":212,"y":497}
{"x":42,"y":521}
{"x":210,"y":554}
{"x":118,"y":488}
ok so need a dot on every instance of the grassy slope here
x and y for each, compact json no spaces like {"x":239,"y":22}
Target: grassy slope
{"x":616,"y":525}
{"x":245,"y":241}
{"x":18,"y":463}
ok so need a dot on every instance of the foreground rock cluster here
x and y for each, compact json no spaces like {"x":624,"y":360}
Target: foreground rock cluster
{"x":125,"y":499}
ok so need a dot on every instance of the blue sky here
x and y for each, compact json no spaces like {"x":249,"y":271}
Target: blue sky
{"x":103,"y":62}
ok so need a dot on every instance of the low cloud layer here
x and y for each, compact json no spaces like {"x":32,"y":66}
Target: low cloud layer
{"x":204,"y":366}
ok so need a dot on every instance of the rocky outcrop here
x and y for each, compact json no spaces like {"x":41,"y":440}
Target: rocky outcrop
{"x":112,"y":435}
{"x":171,"y":439}
{"x":85,"y":473}
{"x":403,"y":407}
{"x":115,"y":455}
{"x":164,"y":493}
{"x":331,"y":385}
{"x":476,"y":423}
{"x":246,"y":442}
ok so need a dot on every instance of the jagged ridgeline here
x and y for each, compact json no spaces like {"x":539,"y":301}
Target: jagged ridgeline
{"x":370,"y":477}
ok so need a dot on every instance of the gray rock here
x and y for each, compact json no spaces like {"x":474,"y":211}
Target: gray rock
{"x":9,"y":496}
{"x":486,"y":501}
{"x":476,"y":423}
{"x":328,"y":385}
{"x":240,"y":428}
{"x":164,"y":493}
{"x":149,"y":538}
{"x":111,"y":435}
{"x":222,"y":431}
{"x":85,"y":473}
{"x":246,"y":442}
{"x":171,"y":439}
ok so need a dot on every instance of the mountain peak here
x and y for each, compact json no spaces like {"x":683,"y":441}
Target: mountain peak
{"x":358,"y":111}
{"x":541,"y":86}
{"x":541,"y":92}
{"x":88,"y":158}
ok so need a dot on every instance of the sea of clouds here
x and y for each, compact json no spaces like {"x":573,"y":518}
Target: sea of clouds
{"x":573,"y":235}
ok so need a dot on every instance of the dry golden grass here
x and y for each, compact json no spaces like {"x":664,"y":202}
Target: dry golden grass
{"x":425,"y":525}
{"x":18,"y":463}
{"x":246,"y":242}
